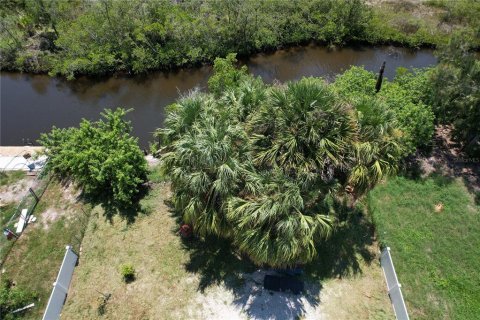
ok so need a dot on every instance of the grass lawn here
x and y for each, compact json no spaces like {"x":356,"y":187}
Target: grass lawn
{"x":35,"y":258}
{"x":205,"y":279}
{"x":435,"y":251}
{"x":10,"y":177}
{"x":162,"y":288}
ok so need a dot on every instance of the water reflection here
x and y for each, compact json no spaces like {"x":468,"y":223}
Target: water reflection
{"x":31,"y":104}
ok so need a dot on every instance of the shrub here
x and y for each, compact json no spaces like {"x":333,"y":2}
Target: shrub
{"x":12,"y":298}
{"x":415,"y":119}
{"x":128,"y":272}
{"x":404,"y":96}
{"x":101,"y":157}
{"x":455,"y":93}
{"x":226,"y":75}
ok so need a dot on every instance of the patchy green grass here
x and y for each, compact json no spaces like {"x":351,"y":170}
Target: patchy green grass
{"x":433,"y":228}
{"x":162,"y":286}
{"x":6,"y":212}
{"x":416,"y":23}
{"x":35,"y":258}
{"x":9,"y":177}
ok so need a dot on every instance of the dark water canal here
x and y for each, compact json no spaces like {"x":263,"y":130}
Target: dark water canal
{"x":31,"y":104}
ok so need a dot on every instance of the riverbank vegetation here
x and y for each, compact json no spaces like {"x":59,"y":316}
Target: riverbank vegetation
{"x":102,"y":37}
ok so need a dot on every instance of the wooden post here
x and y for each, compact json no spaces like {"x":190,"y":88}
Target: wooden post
{"x":33,"y":194}
{"x":378,"y":86}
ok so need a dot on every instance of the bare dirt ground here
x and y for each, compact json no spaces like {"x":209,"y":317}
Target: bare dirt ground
{"x":16,"y":191}
{"x":361,"y":297}
{"x":19,"y":150}
{"x":448,"y":159}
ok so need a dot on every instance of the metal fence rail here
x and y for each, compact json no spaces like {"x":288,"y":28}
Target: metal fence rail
{"x":60,"y":287}
{"x":394,"y":287}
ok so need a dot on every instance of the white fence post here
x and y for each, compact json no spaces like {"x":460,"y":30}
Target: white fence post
{"x":60,"y":286}
{"x":393,"y":286}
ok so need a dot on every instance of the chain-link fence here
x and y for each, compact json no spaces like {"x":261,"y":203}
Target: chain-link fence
{"x":16,"y":219}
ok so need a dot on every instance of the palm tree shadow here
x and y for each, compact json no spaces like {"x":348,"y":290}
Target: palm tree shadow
{"x":215,"y":261}
{"x":260,"y":303}
{"x":349,"y":247}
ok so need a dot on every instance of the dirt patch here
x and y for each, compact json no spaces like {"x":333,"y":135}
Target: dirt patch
{"x":152,"y":161}
{"x":63,"y":207}
{"x":49,"y":216}
{"x":361,"y":297}
{"x":448,"y":159}
{"x":19,"y":150}
{"x":71,"y":192}
{"x":16,"y":191}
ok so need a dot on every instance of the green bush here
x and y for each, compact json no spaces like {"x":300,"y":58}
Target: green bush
{"x":12,"y":298}
{"x":101,"y":157}
{"x":415,"y":118}
{"x":455,"y":97}
{"x":128,"y":272}
{"x":405,"y":96}
{"x":226,"y":75}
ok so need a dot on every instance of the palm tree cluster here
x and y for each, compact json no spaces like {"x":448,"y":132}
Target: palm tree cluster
{"x":264,"y":165}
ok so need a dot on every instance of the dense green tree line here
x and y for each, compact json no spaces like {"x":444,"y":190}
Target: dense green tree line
{"x":268,"y":166}
{"x":97,"y":37}
{"x":454,"y":93}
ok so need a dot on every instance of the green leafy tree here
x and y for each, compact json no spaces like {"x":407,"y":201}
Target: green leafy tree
{"x":406,"y":96}
{"x":101,"y":157}
{"x":456,"y":93}
{"x":225,"y":74}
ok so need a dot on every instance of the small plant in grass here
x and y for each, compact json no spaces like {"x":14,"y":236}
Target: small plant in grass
{"x":128,"y":272}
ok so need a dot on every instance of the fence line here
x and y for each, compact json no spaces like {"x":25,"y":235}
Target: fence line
{"x":29,"y":201}
{"x":393,"y":286}
{"x":60,"y":286}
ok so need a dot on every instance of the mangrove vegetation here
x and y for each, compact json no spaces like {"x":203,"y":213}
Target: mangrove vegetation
{"x":71,"y":38}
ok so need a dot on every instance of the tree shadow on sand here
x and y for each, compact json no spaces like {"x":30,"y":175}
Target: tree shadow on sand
{"x":215,"y":261}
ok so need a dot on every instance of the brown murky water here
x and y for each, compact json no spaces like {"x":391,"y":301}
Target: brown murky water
{"x":31,"y":104}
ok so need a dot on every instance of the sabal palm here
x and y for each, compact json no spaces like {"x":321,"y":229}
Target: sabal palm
{"x":303,"y":129}
{"x":259,"y":166}
{"x":276,"y":227}
{"x":378,"y":150}
{"x":181,"y":116}
{"x":205,"y":165}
